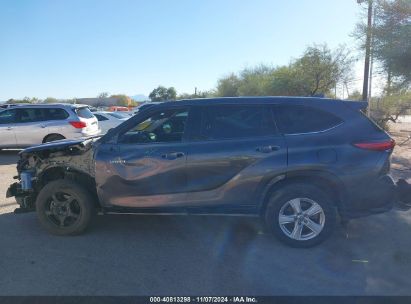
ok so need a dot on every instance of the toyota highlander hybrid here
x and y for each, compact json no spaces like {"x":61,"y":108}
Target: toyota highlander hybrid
{"x":301,"y":164}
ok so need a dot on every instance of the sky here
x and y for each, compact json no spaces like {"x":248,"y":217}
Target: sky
{"x":80,"y":48}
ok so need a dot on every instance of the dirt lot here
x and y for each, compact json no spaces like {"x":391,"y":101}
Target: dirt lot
{"x":177,"y":255}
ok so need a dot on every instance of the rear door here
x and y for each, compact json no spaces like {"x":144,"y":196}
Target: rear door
{"x":233,"y":148}
{"x":55,"y":119}
{"x":31,"y":127}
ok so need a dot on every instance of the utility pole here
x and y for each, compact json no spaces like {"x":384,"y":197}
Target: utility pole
{"x":367,"y":51}
{"x":372,"y":63}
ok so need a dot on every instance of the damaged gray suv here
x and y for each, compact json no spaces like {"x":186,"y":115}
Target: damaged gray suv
{"x":298,"y":163}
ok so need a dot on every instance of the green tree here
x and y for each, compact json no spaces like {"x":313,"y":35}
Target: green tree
{"x":228,"y":86}
{"x":317,"y":71}
{"x":162,"y":93}
{"x":103,"y":95}
{"x":285,"y":82}
{"x":14,"y":101}
{"x":198,"y":94}
{"x":320,"y":69}
{"x":24,"y":100}
{"x":122,"y":100}
{"x":391,"y":43}
{"x":389,"y":108}
{"x":255,"y":81}
{"x":355,"y":95}
{"x":50,"y":100}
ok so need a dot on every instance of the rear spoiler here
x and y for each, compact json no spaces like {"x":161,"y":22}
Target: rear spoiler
{"x":356,"y":105}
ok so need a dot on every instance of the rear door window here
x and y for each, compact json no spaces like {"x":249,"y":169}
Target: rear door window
{"x":296,"y":119}
{"x":84,"y":112}
{"x":235,"y":121}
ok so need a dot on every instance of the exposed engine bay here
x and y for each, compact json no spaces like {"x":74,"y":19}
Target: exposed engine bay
{"x":72,"y":159}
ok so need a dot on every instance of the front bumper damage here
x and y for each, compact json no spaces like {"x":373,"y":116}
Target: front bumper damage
{"x":37,"y":164}
{"x":25,"y":198}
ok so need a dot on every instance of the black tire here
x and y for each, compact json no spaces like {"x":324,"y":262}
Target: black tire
{"x":53,"y":137}
{"x":297,"y":232}
{"x":64,"y":207}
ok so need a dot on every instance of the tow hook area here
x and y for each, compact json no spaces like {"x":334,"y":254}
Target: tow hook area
{"x":403,"y":202}
{"x":25,"y":198}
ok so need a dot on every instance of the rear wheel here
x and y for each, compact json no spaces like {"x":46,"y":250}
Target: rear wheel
{"x":300,"y":215}
{"x":64,"y":207}
{"x":53,"y":137}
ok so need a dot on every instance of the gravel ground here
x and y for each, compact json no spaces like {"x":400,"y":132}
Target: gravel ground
{"x":178,"y":255}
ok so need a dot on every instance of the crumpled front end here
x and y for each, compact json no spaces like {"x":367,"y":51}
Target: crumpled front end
{"x":40,"y":164}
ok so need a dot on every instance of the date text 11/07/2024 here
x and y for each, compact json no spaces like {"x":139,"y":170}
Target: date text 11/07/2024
{"x":240,"y":299}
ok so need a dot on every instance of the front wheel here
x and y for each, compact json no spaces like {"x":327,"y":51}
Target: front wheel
{"x":300,"y":215}
{"x":64,"y":207}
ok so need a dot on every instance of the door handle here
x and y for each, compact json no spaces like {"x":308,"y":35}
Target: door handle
{"x":267,"y":149}
{"x":9,"y":128}
{"x":173,"y":155}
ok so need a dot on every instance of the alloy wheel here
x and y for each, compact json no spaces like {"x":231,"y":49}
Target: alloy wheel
{"x":63,"y":210}
{"x":301,"y":219}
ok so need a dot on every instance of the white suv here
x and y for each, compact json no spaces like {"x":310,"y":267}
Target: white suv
{"x":29,"y":125}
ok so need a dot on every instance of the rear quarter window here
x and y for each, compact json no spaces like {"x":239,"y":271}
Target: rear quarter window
{"x":371,"y":122}
{"x":296,"y":119}
{"x":84,"y":112}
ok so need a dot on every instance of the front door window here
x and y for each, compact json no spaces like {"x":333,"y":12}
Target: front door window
{"x":161,"y":127}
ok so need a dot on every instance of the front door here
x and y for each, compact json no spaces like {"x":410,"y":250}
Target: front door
{"x":146,"y":167}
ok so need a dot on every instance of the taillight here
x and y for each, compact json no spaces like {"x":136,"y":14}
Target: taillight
{"x":376,"y":146}
{"x":78,"y":124}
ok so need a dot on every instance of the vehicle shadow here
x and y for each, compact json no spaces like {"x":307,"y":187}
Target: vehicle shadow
{"x":8,"y":157}
{"x":137,"y":255}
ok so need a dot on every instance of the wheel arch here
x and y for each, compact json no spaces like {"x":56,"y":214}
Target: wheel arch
{"x":58,"y":172}
{"x":325,"y":180}
{"x":51,"y":134}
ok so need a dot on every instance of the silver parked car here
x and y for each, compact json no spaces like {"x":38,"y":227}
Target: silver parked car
{"x":108,"y":120}
{"x":30,"y":125}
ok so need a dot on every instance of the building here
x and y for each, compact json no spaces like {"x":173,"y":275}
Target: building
{"x":100,"y":102}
